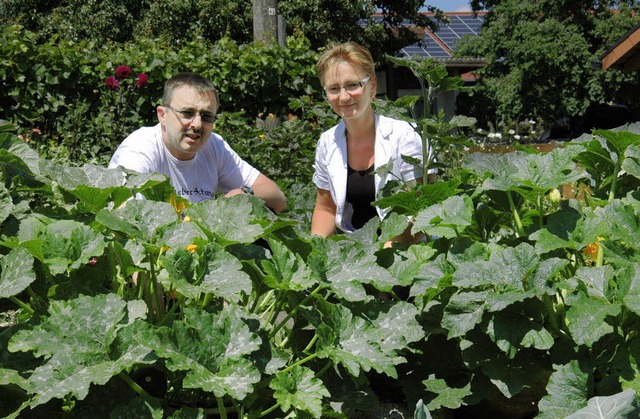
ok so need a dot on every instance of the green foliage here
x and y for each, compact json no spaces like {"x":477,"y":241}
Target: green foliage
{"x":222,"y":308}
{"x":98,"y":21}
{"x":543,"y":60}
{"x":192,"y":19}
{"x":56,"y":91}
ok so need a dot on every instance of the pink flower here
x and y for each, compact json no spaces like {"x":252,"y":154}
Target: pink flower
{"x":112,"y":83}
{"x":142,"y":80}
{"x":93,"y":261}
{"x":123,"y":71}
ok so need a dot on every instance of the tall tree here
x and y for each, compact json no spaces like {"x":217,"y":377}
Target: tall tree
{"x":382,"y":25}
{"x":543,"y":58}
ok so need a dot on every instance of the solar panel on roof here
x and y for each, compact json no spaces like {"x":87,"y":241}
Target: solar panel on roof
{"x":441,"y":43}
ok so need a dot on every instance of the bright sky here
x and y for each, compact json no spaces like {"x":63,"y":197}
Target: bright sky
{"x":450,"y":5}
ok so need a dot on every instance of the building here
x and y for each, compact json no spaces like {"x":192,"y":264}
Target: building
{"x":624,"y":54}
{"x":439,"y":45}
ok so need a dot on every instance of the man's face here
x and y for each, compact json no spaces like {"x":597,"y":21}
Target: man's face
{"x":187,"y":121}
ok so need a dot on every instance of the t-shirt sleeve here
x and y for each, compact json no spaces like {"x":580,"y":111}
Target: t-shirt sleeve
{"x":133,"y":154}
{"x":233,"y":171}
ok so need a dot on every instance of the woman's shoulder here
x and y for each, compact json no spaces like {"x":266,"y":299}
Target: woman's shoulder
{"x":394,"y":128}
{"x":393,"y":122}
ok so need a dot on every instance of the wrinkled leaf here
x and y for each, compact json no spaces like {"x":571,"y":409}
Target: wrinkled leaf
{"x":16,"y":272}
{"x":621,"y":405}
{"x":75,"y":343}
{"x":300,"y":389}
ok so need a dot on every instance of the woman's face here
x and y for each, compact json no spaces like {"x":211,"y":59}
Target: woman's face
{"x":348,"y":90}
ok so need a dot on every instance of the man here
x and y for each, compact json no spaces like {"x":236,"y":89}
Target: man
{"x":198,"y":162}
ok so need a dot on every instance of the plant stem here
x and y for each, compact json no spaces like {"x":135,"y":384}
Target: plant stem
{"x":293,"y":312}
{"x":600,"y":255}
{"x":300,"y":362}
{"x":124,"y":377}
{"x":540,"y":210}
{"x":311,"y":342}
{"x":269,"y":410}
{"x":22,"y":305}
{"x":551,"y":312}
{"x":221,"y":409}
{"x":614,"y":181}
{"x":516,"y":216}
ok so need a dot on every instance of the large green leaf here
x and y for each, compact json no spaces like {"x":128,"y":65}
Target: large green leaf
{"x":622,"y":220}
{"x":208,"y":269}
{"x":231,"y":220}
{"x":507,"y":269}
{"x":518,"y":170}
{"x":570,"y":228}
{"x":597,"y":280}
{"x":75,"y":342}
{"x":140,"y":219}
{"x":427,"y":280}
{"x":586,"y":318}
{"x":66,"y":245}
{"x":512,"y":331}
{"x":447,"y":219}
{"x":463,"y":312}
{"x":447,"y":397}
{"x":300,"y":389}
{"x":6,"y":204}
{"x":327,"y":260}
{"x":287,"y":270}
{"x":631,"y":162}
{"x":567,"y":391}
{"x":213,"y":350}
{"x":16,"y":272}
{"x":621,"y":405}
{"x":409,"y":267}
{"x":366,"y":342}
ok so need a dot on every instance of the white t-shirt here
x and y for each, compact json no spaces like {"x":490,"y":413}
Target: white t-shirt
{"x":394,"y":138}
{"x":215,"y":168}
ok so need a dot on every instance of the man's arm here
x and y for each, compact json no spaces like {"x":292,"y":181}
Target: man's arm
{"x":267,"y":190}
{"x":323,"y":221}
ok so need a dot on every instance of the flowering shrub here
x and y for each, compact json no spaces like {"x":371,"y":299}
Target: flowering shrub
{"x":123,"y":100}
{"x":524,"y":132}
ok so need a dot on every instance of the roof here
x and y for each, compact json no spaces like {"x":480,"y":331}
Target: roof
{"x":624,"y":54}
{"x":441,"y":44}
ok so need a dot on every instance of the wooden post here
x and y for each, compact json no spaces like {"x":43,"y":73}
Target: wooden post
{"x":265,"y":21}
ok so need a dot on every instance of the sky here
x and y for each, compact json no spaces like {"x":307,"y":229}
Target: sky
{"x":450,"y":5}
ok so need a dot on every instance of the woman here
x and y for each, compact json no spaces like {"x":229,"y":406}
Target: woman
{"x":348,"y":153}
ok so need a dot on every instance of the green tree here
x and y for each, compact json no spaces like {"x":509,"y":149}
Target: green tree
{"x":324,"y":21}
{"x":94,"y":20}
{"x":543,"y":59}
{"x":320,"y":21}
{"x":188,"y":19}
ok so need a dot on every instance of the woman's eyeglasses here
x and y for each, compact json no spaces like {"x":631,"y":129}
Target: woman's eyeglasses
{"x":349,"y":88}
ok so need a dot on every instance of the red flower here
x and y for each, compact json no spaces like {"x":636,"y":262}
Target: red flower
{"x":112,"y":83}
{"x":142,"y":80}
{"x":123,"y":72}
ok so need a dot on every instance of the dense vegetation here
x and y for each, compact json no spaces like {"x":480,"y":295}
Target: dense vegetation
{"x":543,"y":62}
{"x":319,"y":21}
{"x":57,"y":93}
{"x":522,"y":301}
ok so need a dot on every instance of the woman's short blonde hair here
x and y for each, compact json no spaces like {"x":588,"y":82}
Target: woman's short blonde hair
{"x":349,"y":52}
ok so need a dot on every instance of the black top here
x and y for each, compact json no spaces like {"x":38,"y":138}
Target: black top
{"x":361,"y":193}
